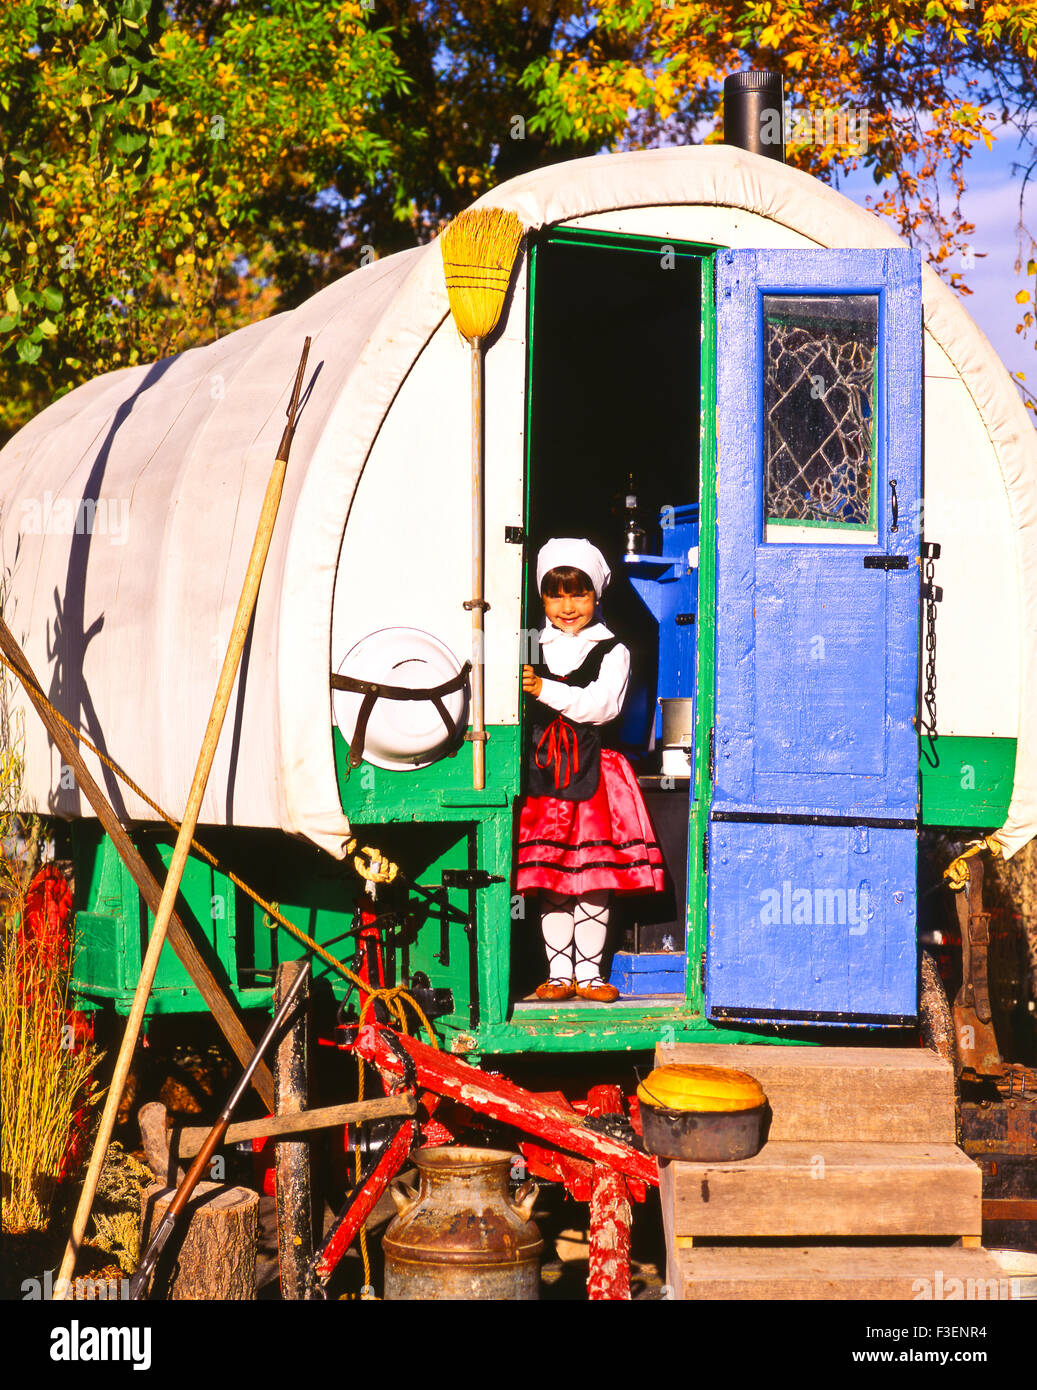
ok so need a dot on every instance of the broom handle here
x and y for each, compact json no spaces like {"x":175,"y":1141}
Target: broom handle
{"x":242,"y":619}
{"x":478,"y":531}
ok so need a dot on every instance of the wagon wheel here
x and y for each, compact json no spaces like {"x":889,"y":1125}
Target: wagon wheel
{"x":293,"y":1173}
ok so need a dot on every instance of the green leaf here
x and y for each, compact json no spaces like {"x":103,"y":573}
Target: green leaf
{"x":12,"y":301}
{"x":128,"y":142}
{"x":29,"y":352}
{"x":7,"y":323}
{"x":52,"y":298}
{"x":48,"y":328}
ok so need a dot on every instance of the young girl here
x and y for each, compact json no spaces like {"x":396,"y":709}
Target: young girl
{"x":584,"y":831}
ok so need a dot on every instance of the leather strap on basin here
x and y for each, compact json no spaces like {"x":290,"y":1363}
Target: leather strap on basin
{"x":374,"y":690}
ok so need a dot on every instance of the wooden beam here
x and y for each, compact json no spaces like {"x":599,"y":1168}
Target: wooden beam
{"x":186,"y":1142}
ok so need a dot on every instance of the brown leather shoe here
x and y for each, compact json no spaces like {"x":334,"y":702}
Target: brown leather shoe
{"x":555,"y":990}
{"x":599,"y":991}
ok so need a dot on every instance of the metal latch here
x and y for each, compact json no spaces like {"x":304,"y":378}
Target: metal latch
{"x":885,"y":562}
{"x":469,"y":878}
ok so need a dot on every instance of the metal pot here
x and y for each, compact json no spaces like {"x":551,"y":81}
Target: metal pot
{"x":703,"y":1136}
{"x":678,"y":721}
{"x":461,"y":1236}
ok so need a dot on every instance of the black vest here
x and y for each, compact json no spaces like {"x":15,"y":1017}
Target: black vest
{"x":565,"y":757}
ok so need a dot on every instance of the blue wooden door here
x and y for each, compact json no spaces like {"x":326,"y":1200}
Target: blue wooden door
{"x":812,"y":834}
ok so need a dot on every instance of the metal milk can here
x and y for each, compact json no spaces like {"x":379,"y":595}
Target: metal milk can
{"x":461,"y":1236}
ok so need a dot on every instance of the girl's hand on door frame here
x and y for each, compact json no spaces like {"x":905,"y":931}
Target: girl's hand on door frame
{"x":531,"y":682}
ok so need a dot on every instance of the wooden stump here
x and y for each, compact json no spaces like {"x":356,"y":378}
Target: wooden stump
{"x":293,"y":1163}
{"x":212,"y":1254}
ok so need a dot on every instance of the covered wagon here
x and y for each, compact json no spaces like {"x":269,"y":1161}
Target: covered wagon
{"x":834,"y":550}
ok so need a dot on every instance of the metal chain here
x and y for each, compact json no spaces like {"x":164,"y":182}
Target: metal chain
{"x":932,"y":594}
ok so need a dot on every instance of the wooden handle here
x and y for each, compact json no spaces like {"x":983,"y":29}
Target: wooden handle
{"x":478,"y":569}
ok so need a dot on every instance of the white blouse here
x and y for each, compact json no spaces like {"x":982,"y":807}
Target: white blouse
{"x":562,"y":653}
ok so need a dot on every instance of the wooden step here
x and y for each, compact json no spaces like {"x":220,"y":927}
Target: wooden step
{"x":841,"y":1094}
{"x":838,"y":1272}
{"x":826,"y":1190}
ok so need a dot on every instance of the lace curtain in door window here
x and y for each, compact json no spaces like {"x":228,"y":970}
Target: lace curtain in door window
{"x":820,"y":355}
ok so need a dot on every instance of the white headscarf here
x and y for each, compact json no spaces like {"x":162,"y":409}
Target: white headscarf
{"x":568,"y":550}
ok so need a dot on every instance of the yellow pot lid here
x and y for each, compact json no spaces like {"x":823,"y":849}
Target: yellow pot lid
{"x":692,"y":1087}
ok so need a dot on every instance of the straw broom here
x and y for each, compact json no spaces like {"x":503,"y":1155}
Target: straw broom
{"x":479,"y":250}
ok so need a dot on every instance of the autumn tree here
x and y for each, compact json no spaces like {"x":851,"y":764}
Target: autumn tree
{"x":162,"y":168}
{"x":174,"y":170}
{"x":932,"y":77}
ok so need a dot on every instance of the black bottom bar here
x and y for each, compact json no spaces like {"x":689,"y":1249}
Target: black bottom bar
{"x":749,"y":1015}
{"x":783,"y":818}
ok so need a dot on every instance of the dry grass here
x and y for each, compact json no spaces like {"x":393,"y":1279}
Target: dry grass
{"x":45,"y":1077}
{"x":44,"y":1080}
{"x":118,"y":1204}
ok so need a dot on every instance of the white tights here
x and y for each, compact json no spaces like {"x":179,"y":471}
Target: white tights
{"x":574,"y":933}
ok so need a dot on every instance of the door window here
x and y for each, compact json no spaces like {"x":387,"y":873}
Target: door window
{"x":820,"y":364}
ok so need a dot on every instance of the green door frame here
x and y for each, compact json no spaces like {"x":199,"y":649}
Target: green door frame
{"x":695,"y":906}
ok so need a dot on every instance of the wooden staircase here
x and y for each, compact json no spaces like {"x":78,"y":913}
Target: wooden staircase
{"x":860,"y":1191}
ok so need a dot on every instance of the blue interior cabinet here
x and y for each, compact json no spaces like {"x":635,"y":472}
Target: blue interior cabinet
{"x":813,"y":812}
{"x":667,"y":585}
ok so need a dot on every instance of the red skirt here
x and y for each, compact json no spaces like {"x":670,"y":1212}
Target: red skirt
{"x":605,"y":842}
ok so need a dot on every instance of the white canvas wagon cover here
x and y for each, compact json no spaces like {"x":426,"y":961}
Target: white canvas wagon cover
{"x":162,"y":469}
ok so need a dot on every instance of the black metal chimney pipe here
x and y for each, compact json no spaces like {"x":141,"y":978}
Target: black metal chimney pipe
{"x":754,"y":113}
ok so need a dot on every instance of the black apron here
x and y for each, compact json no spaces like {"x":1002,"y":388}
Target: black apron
{"x":565,"y":756}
